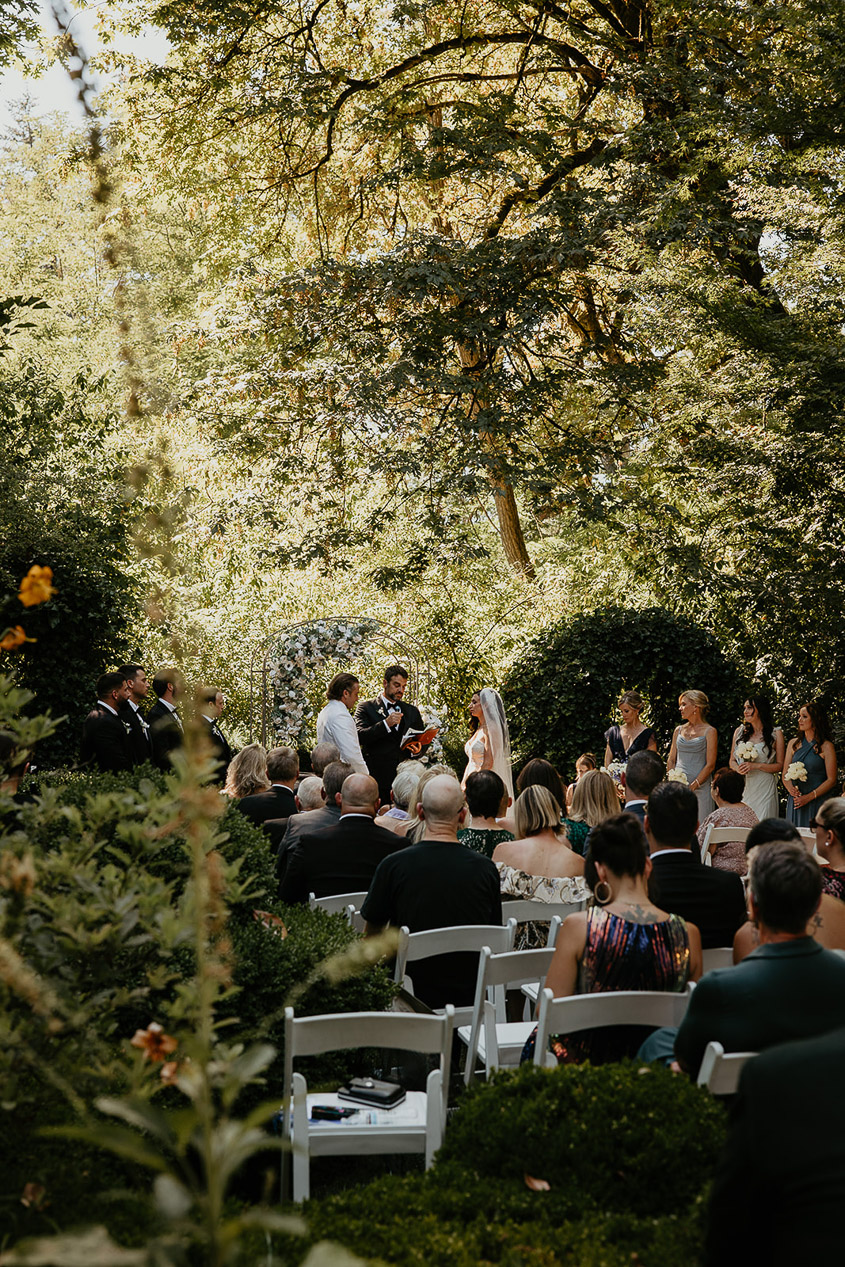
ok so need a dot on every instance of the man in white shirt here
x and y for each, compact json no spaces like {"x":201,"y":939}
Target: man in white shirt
{"x":335,"y":723}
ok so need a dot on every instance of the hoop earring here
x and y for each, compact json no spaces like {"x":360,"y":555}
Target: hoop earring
{"x":603,"y":901}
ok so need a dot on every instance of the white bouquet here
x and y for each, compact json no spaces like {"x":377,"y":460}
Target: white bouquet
{"x":616,"y":770}
{"x":747,"y":751}
{"x":796,"y":772}
{"x":677,"y":776}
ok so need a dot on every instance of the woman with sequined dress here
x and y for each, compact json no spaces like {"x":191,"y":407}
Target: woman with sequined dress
{"x":623,"y":943}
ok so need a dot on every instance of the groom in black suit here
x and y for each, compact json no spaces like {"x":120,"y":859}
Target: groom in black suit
{"x":382,"y":725}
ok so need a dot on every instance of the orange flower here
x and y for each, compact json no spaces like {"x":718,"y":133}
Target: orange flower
{"x":37,"y":586}
{"x":153,"y":1042}
{"x":13,"y":638}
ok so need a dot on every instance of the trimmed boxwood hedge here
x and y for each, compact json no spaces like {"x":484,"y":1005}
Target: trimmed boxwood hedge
{"x":627,"y":1152}
{"x":561,"y":692}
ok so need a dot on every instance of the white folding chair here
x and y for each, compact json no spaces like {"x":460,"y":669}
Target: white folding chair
{"x":443,"y":941}
{"x":717,"y":957}
{"x":490,"y":1037}
{"x":356,"y":919}
{"x":721,"y":836}
{"x":337,"y":903}
{"x":720,"y":1070}
{"x":414,"y":1126}
{"x":529,"y":908}
{"x":597,"y":1011}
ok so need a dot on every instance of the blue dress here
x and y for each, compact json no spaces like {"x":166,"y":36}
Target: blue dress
{"x":692,"y":758}
{"x":816,"y":774}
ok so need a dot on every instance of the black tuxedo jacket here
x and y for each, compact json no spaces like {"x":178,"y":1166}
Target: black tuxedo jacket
{"x":140,"y":743}
{"x":637,"y":810}
{"x":276,"y":802}
{"x":380,"y":745}
{"x":286,"y":832}
{"x":105,"y":741}
{"x":165,"y":732}
{"x":712,"y":900}
{"x":340,"y":859}
{"x":220,"y":747}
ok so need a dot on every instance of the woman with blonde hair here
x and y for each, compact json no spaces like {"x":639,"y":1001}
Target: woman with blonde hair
{"x":541,"y":847}
{"x":247,"y":772}
{"x":693,"y":750}
{"x":595,"y":798}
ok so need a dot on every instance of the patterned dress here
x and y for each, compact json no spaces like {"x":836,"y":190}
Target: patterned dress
{"x":520,"y":884}
{"x":622,"y":955}
{"x":833,"y":882}
{"x":483,"y":839}
{"x":729,"y":856}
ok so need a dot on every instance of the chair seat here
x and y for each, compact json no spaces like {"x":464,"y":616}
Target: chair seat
{"x":511,"y":1038}
{"x":371,"y":1130}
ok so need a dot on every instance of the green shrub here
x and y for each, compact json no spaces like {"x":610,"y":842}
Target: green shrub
{"x":621,"y":1137}
{"x":561,"y":692}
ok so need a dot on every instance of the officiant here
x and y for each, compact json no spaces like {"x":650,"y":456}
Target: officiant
{"x":383,"y":727}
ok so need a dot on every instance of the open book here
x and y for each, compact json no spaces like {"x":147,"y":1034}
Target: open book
{"x":415,"y":740}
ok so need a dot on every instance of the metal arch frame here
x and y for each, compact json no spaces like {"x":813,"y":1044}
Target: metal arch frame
{"x":395,"y":640}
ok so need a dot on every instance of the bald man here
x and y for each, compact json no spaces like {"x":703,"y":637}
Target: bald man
{"x":341,"y":858}
{"x":435,"y":884}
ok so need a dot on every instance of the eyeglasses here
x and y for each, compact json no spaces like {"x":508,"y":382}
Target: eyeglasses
{"x":814,"y":823}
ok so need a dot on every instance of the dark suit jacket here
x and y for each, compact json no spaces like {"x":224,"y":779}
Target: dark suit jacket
{"x":165,"y":733}
{"x":712,"y":900}
{"x":781,"y":991}
{"x":380,"y":745}
{"x":286,"y":832}
{"x":637,"y":810}
{"x":105,"y":741}
{"x":276,"y":802}
{"x":785,"y":1155}
{"x":140,"y":743}
{"x":219,"y":745}
{"x":340,"y":859}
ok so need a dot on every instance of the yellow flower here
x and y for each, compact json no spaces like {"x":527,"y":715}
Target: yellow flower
{"x":37,"y":586}
{"x":153,"y":1041}
{"x":13,"y":638}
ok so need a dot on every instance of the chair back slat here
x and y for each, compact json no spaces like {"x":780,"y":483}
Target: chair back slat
{"x":336,"y":903}
{"x":598,"y":1011}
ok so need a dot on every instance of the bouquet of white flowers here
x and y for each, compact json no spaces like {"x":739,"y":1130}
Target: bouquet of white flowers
{"x":616,"y":770}
{"x":796,"y":772}
{"x":746,"y":751}
{"x":677,"y":776}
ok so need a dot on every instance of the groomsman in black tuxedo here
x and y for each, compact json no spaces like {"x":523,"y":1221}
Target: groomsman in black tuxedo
{"x":130,"y":712}
{"x":382,"y":724}
{"x":105,"y":737}
{"x":212,"y":703}
{"x":166,"y":730}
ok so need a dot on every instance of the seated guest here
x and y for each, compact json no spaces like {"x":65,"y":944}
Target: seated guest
{"x":287,"y":831}
{"x":341,"y":858}
{"x":414,"y":827}
{"x":541,"y":773}
{"x":624,"y":942}
{"x":789,"y":987}
{"x":322,"y":755}
{"x":586,"y":761}
{"x":829,"y":826}
{"x":277,"y":800}
{"x":402,"y":789}
{"x":106,"y":739}
{"x":785,"y":1154}
{"x":827,"y":924}
{"x":540,"y":847}
{"x":727,"y":787}
{"x":309,"y":794}
{"x":211,"y":704}
{"x":642,"y":774}
{"x":712,"y":900}
{"x":487,"y":800}
{"x":437,"y":883}
{"x":247,"y":773}
{"x":595,"y":799}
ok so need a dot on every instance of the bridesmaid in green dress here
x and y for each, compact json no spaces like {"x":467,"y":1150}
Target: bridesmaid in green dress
{"x":813,"y":747}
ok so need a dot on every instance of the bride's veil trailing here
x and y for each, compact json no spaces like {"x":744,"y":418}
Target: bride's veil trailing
{"x":498,"y":736}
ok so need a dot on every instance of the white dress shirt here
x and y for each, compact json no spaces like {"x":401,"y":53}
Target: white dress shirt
{"x":335,"y":724}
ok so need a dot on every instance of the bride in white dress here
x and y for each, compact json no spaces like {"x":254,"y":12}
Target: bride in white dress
{"x":758,"y":736}
{"x":489,"y":745}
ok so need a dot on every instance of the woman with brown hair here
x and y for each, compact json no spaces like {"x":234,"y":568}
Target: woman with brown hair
{"x":812,"y":748}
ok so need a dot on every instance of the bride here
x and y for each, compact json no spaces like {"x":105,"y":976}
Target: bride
{"x":489,"y":745}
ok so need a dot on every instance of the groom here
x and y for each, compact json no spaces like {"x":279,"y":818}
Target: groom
{"x":382,"y":724}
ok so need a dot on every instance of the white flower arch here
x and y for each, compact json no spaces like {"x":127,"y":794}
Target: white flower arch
{"x":291,"y":670}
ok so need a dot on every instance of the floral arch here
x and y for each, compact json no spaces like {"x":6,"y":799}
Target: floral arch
{"x":292,"y":668}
